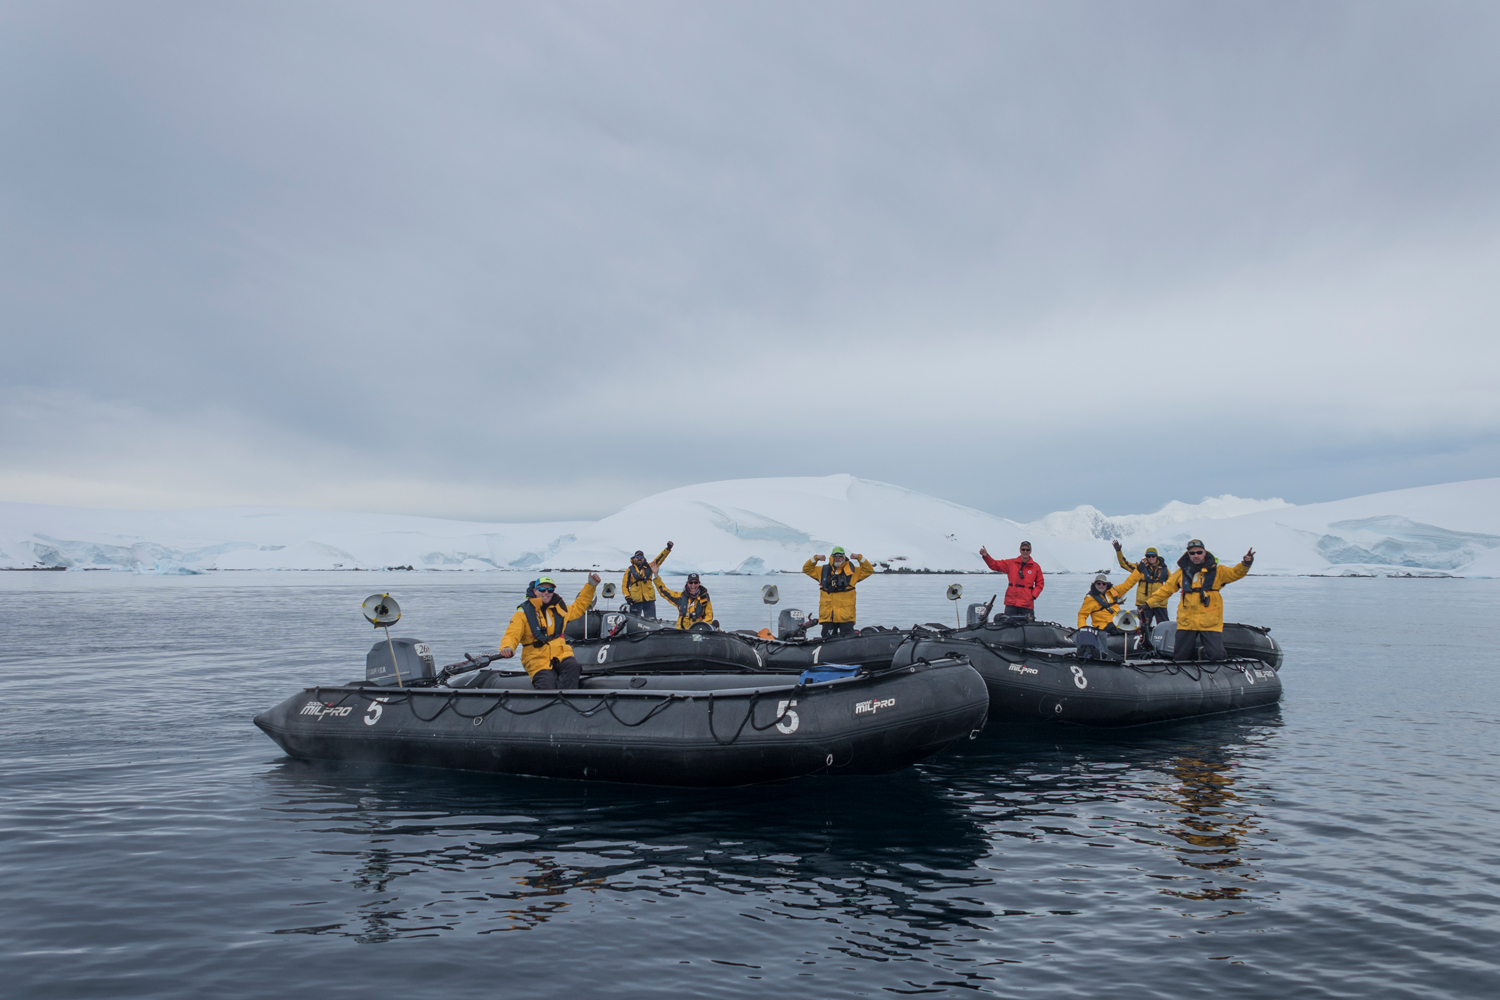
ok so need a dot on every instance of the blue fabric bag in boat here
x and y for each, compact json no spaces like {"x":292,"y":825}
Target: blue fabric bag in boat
{"x":827,"y":672}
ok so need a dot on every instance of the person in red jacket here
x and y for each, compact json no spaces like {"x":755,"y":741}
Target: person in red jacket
{"x":1025,"y":580}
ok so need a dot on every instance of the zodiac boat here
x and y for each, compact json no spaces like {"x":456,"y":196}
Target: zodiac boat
{"x":1045,"y":671}
{"x":708,"y":729}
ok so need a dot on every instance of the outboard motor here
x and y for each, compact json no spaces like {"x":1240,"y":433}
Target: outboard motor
{"x":790,"y":623}
{"x":979,"y":614}
{"x":1164,"y":638}
{"x":412,"y":656}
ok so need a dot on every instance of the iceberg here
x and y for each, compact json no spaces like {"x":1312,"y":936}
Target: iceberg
{"x":766,"y":526}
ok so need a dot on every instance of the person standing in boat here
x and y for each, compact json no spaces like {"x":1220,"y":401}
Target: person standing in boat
{"x":1200,"y":613}
{"x":1153,"y":573}
{"x":640,"y":595}
{"x":1102,"y":602}
{"x":537,"y":630}
{"x":836,"y":589}
{"x":693,"y":605}
{"x":1026,"y":581}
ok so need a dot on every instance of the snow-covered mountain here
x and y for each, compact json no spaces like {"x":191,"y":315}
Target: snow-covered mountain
{"x":774,"y":525}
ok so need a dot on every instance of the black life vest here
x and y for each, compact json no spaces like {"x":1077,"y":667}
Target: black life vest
{"x":694,"y":609}
{"x":835,"y":582}
{"x":1104,"y":601}
{"x":633,"y":575}
{"x":1152,"y":574}
{"x":1209,"y":569}
{"x":540,"y":636}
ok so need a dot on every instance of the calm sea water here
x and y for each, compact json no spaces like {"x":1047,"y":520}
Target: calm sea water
{"x":154,"y":844}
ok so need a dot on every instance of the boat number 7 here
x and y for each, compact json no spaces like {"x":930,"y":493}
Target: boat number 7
{"x":603,"y":653}
{"x":372,"y":714}
{"x":788,"y":717}
{"x":1078,"y":677}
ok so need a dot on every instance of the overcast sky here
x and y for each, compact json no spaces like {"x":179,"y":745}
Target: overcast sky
{"x":534,"y":261}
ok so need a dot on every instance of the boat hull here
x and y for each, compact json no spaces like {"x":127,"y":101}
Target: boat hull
{"x":1031,"y":684}
{"x":645,"y":732}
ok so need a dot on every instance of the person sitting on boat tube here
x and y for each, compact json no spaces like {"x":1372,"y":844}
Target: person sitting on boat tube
{"x":1102,"y":603}
{"x":1026,"y":581}
{"x":836,"y":588}
{"x":1200,"y":613}
{"x":640,"y":597}
{"x":537,"y":630}
{"x":693,"y":605}
{"x":1153,"y":571}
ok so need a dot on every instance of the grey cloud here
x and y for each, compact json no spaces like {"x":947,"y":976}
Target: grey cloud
{"x":615,"y":246}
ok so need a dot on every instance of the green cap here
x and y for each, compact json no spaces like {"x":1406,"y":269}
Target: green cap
{"x":838,"y":550}
{"x":546,"y":579}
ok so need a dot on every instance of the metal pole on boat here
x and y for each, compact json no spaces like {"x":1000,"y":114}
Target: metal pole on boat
{"x":955,"y":591}
{"x":770,"y":595}
{"x":392,"y":647}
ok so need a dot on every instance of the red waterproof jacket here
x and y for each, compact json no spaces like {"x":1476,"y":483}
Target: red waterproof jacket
{"x":1025,"y":580}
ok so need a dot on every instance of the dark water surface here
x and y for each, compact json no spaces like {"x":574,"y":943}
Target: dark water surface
{"x":155,"y":844}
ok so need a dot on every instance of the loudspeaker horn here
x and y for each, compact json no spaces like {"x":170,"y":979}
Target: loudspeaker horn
{"x":607,"y":591}
{"x":769,"y":594}
{"x":1127,"y":621}
{"x":955,"y":591}
{"x":381,"y":610}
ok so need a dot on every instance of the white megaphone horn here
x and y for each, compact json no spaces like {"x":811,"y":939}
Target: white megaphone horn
{"x":1127,"y":621}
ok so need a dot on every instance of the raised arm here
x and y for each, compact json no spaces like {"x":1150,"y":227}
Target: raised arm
{"x":1134,"y":578}
{"x":580,"y":605}
{"x":668,"y":592}
{"x":663,"y":557}
{"x":864,"y":569}
{"x":1120,"y":555}
{"x":811,"y":569}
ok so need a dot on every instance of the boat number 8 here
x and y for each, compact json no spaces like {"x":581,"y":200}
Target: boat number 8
{"x":788,"y":717}
{"x":1078,"y":677}
{"x":603,"y":653}
{"x":372,"y":714}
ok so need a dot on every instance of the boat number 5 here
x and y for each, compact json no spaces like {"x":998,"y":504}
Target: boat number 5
{"x":603,"y":653}
{"x":1078,"y":677}
{"x":372,"y":714}
{"x":788,"y":717}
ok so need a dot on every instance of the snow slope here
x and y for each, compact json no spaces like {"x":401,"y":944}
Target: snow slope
{"x":774,"y":525}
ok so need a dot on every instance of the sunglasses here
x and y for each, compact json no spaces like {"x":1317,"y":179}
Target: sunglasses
{"x":1197,"y":552}
{"x":546,"y":590}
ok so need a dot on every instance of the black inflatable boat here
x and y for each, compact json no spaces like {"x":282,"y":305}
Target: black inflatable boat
{"x":1071,"y":687}
{"x":869,"y":647}
{"x":662,"y":730}
{"x":695,"y":651}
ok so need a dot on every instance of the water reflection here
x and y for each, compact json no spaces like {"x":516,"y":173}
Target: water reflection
{"x":435,"y":851}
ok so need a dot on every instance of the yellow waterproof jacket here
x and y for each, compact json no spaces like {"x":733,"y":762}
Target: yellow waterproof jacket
{"x":518,"y":633}
{"x":1095,"y":614}
{"x":690,"y":610}
{"x":838,"y":605}
{"x":637,"y":583}
{"x":1192,"y":613}
{"x":1148,"y":584}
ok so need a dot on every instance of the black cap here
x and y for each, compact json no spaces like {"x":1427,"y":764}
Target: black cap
{"x":692,"y":578}
{"x":638,"y":554}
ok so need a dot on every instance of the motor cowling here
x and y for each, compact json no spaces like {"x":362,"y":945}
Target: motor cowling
{"x":790,"y":622}
{"x":979,"y":614}
{"x":412,"y":656}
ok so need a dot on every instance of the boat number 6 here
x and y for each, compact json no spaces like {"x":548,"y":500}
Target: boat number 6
{"x":372,"y":714}
{"x":603,"y":653}
{"x":1078,"y":677}
{"x":789,"y":720}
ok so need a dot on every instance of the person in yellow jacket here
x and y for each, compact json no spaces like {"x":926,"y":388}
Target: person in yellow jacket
{"x":537,"y":630}
{"x":693,"y":605}
{"x":836,"y":589}
{"x":1102,"y":602}
{"x":1153,"y":573}
{"x":1200,"y":613}
{"x":640,"y":595}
